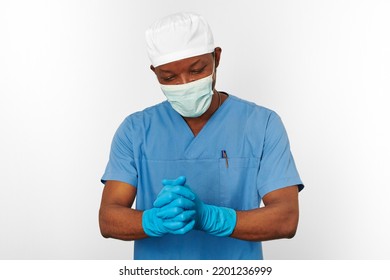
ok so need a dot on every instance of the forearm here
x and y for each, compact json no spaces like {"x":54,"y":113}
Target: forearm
{"x":121,"y":223}
{"x":266,"y":223}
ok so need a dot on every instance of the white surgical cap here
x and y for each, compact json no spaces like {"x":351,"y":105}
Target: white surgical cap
{"x":178,"y":36}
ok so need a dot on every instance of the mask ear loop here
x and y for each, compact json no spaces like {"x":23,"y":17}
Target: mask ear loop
{"x":214,"y":69}
{"x":214,"y":79}
{"x":213,"y":74}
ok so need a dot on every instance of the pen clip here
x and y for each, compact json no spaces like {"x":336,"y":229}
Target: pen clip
{"x":225,"y":156}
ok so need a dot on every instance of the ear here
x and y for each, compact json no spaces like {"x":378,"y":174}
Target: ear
{"x":153,"y":69}
{"x":217,"y":52}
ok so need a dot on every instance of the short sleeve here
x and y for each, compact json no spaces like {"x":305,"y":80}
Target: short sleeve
{"x":277,"y":167}
{"x":121,"y":165}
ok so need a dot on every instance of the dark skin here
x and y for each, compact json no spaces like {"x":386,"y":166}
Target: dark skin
{"x":277,"y":219}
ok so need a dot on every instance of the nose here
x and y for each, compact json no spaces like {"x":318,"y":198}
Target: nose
{"x":184,"y":79}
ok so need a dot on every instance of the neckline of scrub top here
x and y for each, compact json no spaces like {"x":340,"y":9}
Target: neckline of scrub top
{"x":207,"y":124}
{"x":191,"y":149}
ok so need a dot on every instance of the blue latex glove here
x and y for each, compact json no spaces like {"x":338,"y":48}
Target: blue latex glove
{"x":175,"y":216}
{"x":173,"y":197}
{"x":155,"y":226}
{"x":215,"y":220}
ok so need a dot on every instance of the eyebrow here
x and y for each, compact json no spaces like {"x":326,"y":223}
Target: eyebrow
{"x":192,"y":64}
{"x":165,"y":71}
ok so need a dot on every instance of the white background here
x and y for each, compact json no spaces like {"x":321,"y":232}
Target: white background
{"x":71,"y":71}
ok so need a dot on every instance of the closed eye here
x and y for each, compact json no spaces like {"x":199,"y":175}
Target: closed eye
{"x":198,"y":71}
{"x":169,"y":78}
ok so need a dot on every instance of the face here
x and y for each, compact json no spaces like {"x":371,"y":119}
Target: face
{"x":187,"y":70}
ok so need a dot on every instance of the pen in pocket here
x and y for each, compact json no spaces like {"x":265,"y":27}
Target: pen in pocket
{"x":225,"y":156}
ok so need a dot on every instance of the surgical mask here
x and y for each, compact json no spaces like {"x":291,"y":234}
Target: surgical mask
{"x":191,"y":99}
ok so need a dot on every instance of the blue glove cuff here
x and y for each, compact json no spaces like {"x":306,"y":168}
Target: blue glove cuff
{"x":218,"y":221}
{"x":148,"y":223}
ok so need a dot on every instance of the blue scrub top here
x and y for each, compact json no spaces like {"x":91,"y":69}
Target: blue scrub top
{"x":157,"y":144}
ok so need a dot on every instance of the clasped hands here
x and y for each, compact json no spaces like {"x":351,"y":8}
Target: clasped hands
{"x":178,"y":210}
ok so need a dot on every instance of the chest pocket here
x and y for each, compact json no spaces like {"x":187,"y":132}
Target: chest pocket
{"x":238,"y":178}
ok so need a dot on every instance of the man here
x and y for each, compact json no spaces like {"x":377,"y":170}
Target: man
{"x":199,"y":163}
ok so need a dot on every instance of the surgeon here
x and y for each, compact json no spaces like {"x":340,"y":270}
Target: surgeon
{"x":199,"y":164}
